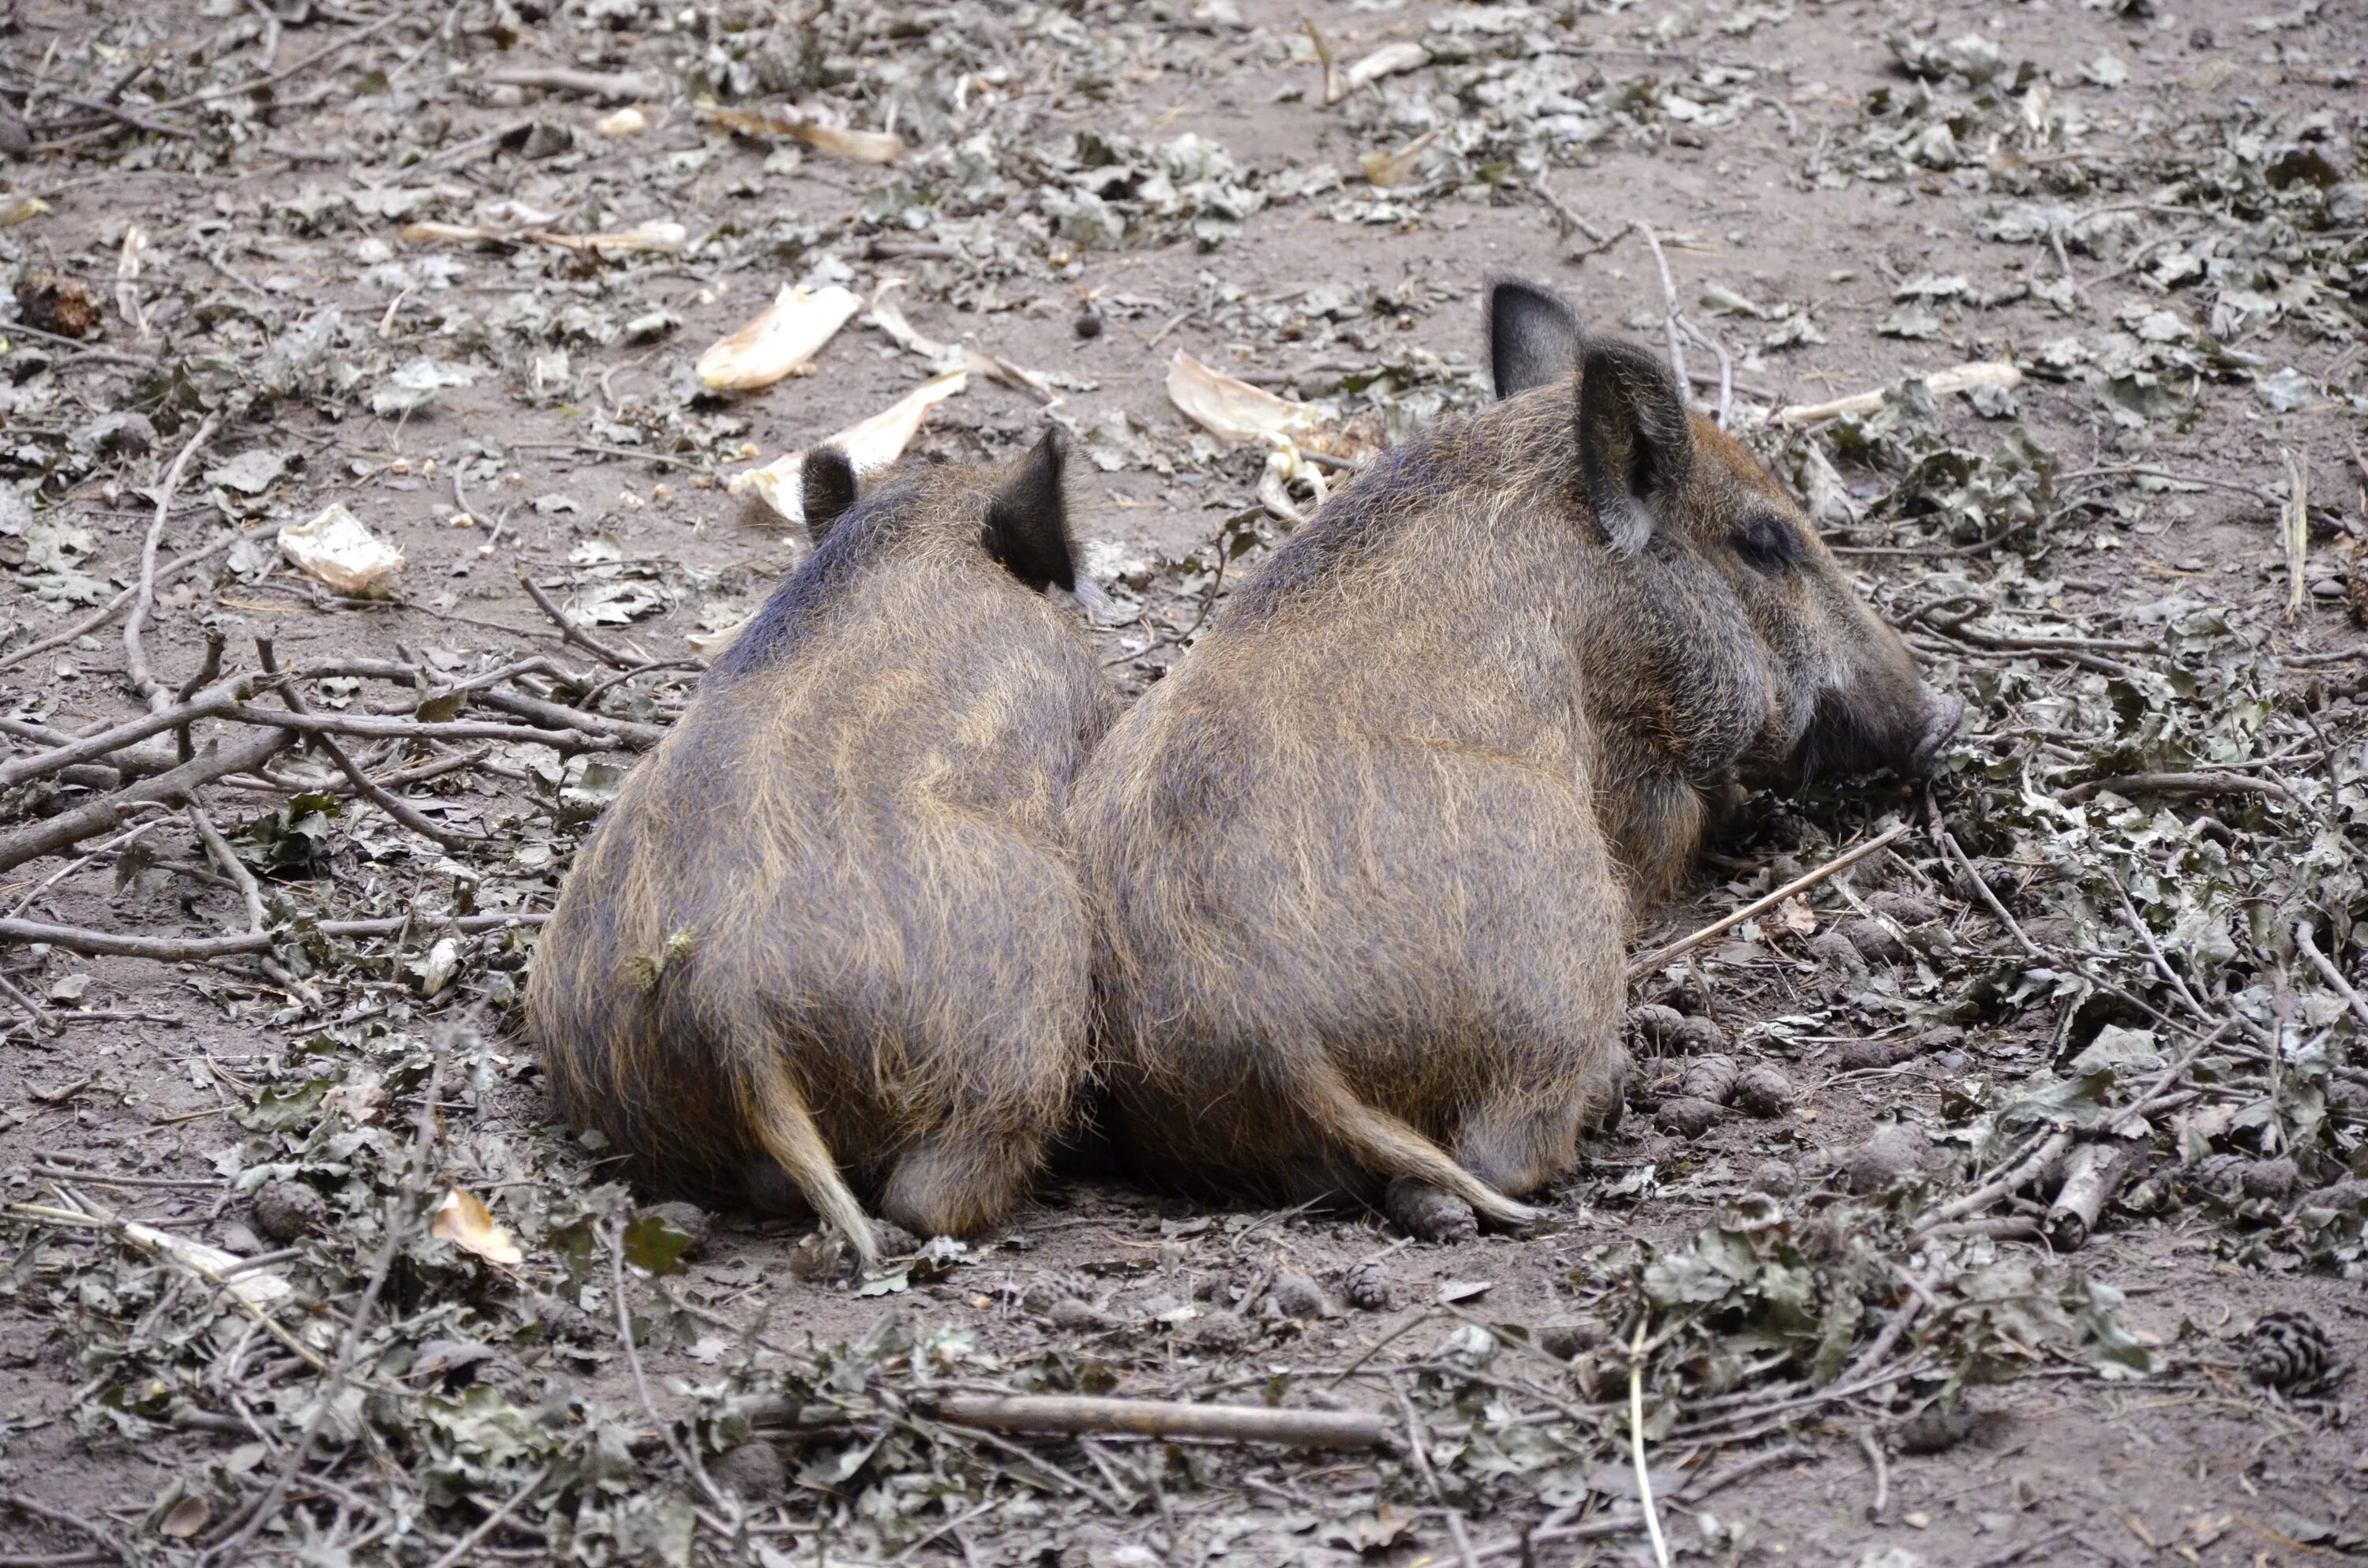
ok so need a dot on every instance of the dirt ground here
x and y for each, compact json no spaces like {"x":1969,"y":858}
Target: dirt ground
{"x":2157,"y":210}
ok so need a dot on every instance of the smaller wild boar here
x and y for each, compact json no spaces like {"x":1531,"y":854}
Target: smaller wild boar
{"x":830,"y":924}
{"x":1363,"y":863}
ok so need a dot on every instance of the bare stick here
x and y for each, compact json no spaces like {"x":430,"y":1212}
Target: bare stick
{"x":2050,"y":1150}
{"x":401,"y":1217}
{"x":198,"y":950}
{"x":87,"y":748}
{"x":1726,"y":368}
{"x":685,"y":1454}
{"x":627,"y":733}
{"x":108,"y":611}
{"x":1155,"y":1418}
{"x":1677,"y":364}
{"x":1636,"y":1436}
{"x":2178,"y":784}
{"x":135,"y":656}
{"x":620,"y":87}
{"x":491,"y":1522}
{"x":572,"y":633}
{"x":1873,"y":1450}
{"x":1973,"y":879}
{"x":2305,"y":941}
{"x":1417,"y":1451}
{"x":1799,"y":884}
{"x":75,"y":1522}
{"x":385,"y":799}
{"x":107,"y":813}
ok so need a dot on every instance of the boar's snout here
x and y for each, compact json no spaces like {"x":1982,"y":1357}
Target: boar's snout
{"x":1941,"y":715}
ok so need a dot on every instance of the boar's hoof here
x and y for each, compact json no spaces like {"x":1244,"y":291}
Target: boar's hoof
{"x":1426,"y":1213}
{"x":1941,"y":717}
{"x":1604,"y":1098}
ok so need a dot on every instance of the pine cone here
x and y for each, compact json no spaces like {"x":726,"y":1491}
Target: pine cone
{"x":2290,"y":1352}
{"x":1763,"y":1090}
{"x":1907,"y":908}
{"x":1711,"y":1078}
{"x":1365,"y":1285}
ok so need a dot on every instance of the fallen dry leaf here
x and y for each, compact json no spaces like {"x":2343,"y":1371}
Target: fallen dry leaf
{"x":661,"y":238}
{"x":336,"y":551}
{"x":186,"y":1518}
{"x":1386,"y":171}
{"x":782,"y":341}
{"x":859,"y":146}
{"x":626,"y":121}
{"x":889,"y":317}
{"x":2000,"y":373}
{"x":1234,"y":409}
{"x":464,"y":1221}
{"x":871,"y":444}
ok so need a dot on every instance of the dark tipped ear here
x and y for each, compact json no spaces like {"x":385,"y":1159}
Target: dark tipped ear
{"x":1533,"y":336}
{"x":1635,"y":446}
{"x":1027,"y":520}
{"x":827,"y":489}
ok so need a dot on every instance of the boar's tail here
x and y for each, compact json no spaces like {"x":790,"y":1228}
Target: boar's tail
{"x":1381,"y":1142}
{"x":786,"y":1130}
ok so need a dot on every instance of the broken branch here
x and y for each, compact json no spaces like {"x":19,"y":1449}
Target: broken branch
{"x":1157,"y":1419}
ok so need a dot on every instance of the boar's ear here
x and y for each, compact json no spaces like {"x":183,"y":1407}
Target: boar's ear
{"x":826,"y":489}
{"x":1635,"y":445}
{"x":1533,"y":336}
{"x":1027,"y":520}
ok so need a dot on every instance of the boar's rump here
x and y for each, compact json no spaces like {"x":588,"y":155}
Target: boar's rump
{"x":1363,"y":862}
{"x":830,"y":924}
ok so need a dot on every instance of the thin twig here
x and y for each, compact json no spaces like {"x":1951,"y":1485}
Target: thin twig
{"x":1677,"y":364}
{"x":402,"y":1214}
{"x":685,"y":1454}
{"x":135,"y":656}
{"x":486,"y":1527}
{"x":2306,"y":942}
{"x":1686,"y":944}
{"x":108,"y":611}
{"x":1869,"y":1446}
{"x":1417,"y":1450}
{"x":74,"y":1522}
{"x":385,"y":799}
{"x":1636,"y":1435}
{"x":197,"y":950}
{"x":574,"y":634}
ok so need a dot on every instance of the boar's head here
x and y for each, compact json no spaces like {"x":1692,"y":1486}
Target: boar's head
{"x":1723,"y":633}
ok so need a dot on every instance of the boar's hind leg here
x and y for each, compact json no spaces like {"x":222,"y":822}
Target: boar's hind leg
{"x":952,"y":1183}
{"x":1518,"y":1145}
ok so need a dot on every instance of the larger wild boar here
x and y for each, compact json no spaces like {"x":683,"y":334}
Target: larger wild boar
{"x":830,"y":922}
{"x":1363,"y":862}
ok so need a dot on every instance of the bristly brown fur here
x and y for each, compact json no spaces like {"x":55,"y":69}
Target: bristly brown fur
{"x":1370,"y":851}
{"x":830,"y":924}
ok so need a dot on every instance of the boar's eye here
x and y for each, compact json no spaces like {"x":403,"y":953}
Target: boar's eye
{"x":1767,"y":542}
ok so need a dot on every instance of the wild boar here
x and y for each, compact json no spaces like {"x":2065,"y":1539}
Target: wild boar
{"x":830,"y":930}
{"x":1363,"y":864}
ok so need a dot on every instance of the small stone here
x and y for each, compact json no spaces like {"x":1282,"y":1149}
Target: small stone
{"x":1905,"y":908}
{"x":1836,"y":951}
{"x":1571,"y":1338}
{"x":1892,"y":1154}
{"x":1298,"y":1297}
{"x":1711,"y":1078}
{"x":1686,"y":1116}
{"x":1763,"y":1091}
{"x":1933,"y":1430}
{"x":1873,"y":941}
{"x":2271,"y":1179}
{"x":1072,"y":1314}
{"x":290,"y":1211}
{"x":1365,"y":1285}
{"x":1088,"y":324}
{"x":753,"y":1472}
{"x":2200,"y":38}
{"x":1221,"y":1333}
